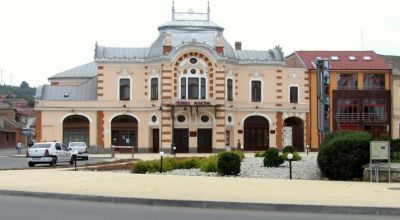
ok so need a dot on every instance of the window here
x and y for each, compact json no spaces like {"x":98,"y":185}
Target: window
{"x":256,"y":91}
{"x":374,"y":81}
{"x":205,"y":118}
{"x":367,"y":58}
{"x":153,"y":119}
{"x":347,"y":81}
{"x":352,"y":58}
{"x":124,"y":89}
{"x":183,"y":88}
{"x":374,"y":106}
{"x":154,"y":88}
{"x":193,"y":60}
{"x":334,"y":58}
{"x":58,"y":147}
{"x":194,"y":87}
{"x":181,"y":118}
{"x":229,"y":85}
{"x":294,"y":94}
{"x":347,"y":106}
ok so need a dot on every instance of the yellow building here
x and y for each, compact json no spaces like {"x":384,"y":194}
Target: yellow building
{"x":190,"y":89}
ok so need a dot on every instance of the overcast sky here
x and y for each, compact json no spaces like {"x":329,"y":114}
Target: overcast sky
{"x":39,"y":38}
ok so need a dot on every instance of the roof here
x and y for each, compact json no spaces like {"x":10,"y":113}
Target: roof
{"x":190,"y":24}
{"x":103,"y":53}
{"x":343,"y":62}
{"x":87,"y":70}
{"x":393,"y":61}
{"x":257,"y":55}
{"x":85,"y":91}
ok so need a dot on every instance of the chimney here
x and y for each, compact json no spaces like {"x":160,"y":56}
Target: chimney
{"x":238,"y":45}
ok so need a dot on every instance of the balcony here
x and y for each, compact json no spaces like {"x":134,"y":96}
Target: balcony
{"x":365,"y":117}
{"x":347,"y":88}
{"x":374,"y":117}
{"x":348,"y":117}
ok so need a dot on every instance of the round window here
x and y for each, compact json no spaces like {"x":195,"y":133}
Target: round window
{"x":193,"y":71}
{"x":181,"y":118}
{"x":193,"y":60}
{"x":153,"y":118}
{"x":204,"y":118}
{"x":229,"y":119}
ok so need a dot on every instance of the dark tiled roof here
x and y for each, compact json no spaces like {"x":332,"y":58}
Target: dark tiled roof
{"x":343,"y":62}
{"x":393,"y":61}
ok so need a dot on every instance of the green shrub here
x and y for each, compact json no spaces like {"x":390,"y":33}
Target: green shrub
{"x":296,"y":156}
{"x":259,"y":154}
{"x":188,"y":163}
{"x":140,"y":167}
{"x":228,"y":164}
{"x":343,"y":154}
{"x":240,"y":154}
{"x":272,"y":158}
{"x":288,"y":149}
{"x":210,"y":164}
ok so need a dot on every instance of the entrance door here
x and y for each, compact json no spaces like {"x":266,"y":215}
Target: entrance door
{"x":256,"y":133}
{"x":181,"y":139}
{"x":156,"y":140}
{"x":297,"y":127}
{"x":204,"y":140}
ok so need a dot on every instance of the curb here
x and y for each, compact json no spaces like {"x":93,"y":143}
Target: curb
{"x":213,"y":204}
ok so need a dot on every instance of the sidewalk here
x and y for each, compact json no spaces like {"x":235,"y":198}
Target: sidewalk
{"x":313,"y":194}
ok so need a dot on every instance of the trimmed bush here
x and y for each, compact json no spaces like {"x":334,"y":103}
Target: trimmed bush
{"x":140,"y":167}
{"x":288,"y":149}
{"x":228,"y":164}
{"x":240,"y":154}
{"x":210,"y":164}
{"x":272,"y":158}
{"x":296,"y":156}
{"x":188,"y":163}
{"x":259,"y":154}
{"x":342,"y":155}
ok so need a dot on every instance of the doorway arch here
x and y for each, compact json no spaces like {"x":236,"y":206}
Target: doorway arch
{"x":256,"y":133}
{"x":293,"y":129}
{"x":124,"y":131}
{"x":76,"y":129}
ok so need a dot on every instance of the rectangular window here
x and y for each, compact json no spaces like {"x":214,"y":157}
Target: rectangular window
{"x":193,"y":88}
{"x":154,"y":88}
{"x":203,"y":88}
{"x":229,"y":89}
{"x":256,"y":91}
{"x":347,"y":106}
{"x":183,"y":88}
{"x":294,"y":94}
{"x":374,"y":106}
{"x":374,"y":81}
{"x":124,"y":89}
{"x":227,"y":138}
{"x":347,"y":81}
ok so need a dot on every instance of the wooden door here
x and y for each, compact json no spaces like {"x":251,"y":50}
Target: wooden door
{"x":204,"y":140}
{"x":181,"y":139}
{"x":156,"y":140}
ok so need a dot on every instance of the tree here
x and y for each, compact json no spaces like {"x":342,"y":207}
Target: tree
{"x":24,"y":84}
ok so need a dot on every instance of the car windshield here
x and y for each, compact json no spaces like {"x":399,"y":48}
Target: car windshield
{"x":77,"y":144}
{"x":41,"y":146}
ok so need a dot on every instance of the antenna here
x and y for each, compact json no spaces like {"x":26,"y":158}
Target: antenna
{"x":1,"y":81}
{"x":208,"y":10}
{"x":10,"y":79}
{"x":173,"y":9}
{"x":362,"y":38}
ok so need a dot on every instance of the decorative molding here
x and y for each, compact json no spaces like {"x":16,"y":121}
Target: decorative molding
{"x":301,"y":115}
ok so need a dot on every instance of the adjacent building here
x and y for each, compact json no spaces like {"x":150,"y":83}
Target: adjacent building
{"x":190,"y":89}
{"x":359,"y":91}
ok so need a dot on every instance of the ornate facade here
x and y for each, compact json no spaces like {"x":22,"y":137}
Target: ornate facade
{"x":190,"y":90}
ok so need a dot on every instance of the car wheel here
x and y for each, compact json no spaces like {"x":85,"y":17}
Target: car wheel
{"x":31,"y":164}
{"x":72,"y":161}
{"x":53,"y":161}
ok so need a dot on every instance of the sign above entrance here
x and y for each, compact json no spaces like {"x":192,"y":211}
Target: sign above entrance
{"x":188,"y":103}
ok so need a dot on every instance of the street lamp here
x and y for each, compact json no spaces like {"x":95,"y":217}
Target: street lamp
{"x":290,"y":158}
{"x":161,"y":155}
{"x":174,"y":149}
{"x":307,"y":149}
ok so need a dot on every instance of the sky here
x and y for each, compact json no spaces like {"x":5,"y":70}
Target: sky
{"x":40,"y":38}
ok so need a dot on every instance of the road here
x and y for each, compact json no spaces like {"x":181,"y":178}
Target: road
{"x":16,"y":208}
{"x":9,"y":161}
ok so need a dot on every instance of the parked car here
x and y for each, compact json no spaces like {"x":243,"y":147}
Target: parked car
{"x":81,"y":148}
{"x":51,"y":153}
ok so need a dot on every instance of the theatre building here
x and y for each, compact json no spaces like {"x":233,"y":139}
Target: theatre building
{"x":190,"y":89}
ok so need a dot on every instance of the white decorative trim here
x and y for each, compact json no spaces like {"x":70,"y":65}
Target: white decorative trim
{"x":298,"y":93}
{"x":123,"y":113}
{"x":194,"y":46}
{"x":299,"y":115}
{"x":189,"y":75}
{"x":75,"y":113}
{"x":154,"y":124}
{"x":256,"y":114}
{"x":229,"y":123}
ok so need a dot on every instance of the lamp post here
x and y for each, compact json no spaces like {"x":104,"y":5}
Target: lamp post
{"x":174,"y":149}
{"x":290,"y":158}
{"x":161,"y":161}
{"x":307,"y":149}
